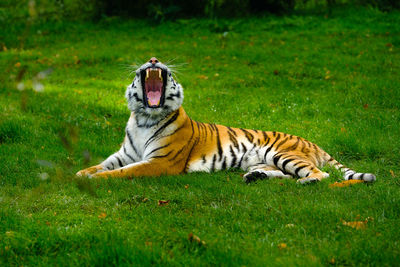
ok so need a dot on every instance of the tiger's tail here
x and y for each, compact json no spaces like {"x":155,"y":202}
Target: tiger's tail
{"x":349,"y":174}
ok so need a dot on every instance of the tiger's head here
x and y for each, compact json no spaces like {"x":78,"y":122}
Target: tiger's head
{"x":153,"y":93}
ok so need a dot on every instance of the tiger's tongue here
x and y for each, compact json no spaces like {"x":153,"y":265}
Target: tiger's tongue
{"x":153,"y":98}
{"x":153,"y":90}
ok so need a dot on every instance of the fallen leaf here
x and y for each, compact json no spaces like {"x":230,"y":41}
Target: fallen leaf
{"x":102,"y":215}
{"x":365,"y":106}
{"x":17,"y":65}
{"x":332,"y":261}
{"x":195,"y":238}
{"x":389,"y":45}
{"x":282,"y":246}
{"x":204,"y":77}
{"x":392,"y":173}
{"x":358,"y":225}
{"x":276,"y":72}
{"x":145,"y":199}
{"x":345,"y":183}
{"x":343,"y":130}
{"x":186,"y":186}
{"x":163,"y":202}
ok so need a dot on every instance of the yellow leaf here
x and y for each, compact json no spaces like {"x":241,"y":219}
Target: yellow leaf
{"x":102,"y":215}
{"x":282,"y":246}
{"x":195,"y":238}
{"x":17,"y":65}
{"x":163,"y":202}
{"x":345,"y":183}
{"x":356,"y":224}
{"x":392,"y":173}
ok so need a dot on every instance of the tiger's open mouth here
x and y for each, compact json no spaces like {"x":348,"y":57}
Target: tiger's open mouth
{"x":153,"y":84}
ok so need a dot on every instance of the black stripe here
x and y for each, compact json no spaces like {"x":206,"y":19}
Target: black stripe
{"x":224,"y":164}
{"x":126,"y":153}
{"x":232,"y":131}
{"x":244,"y":148}
{"x":211,"y":129}
{"x":267,"y":142}
{"x":220,"y":152}
{"x":184,"y":146}
{"x":266,"y":152}
{"x":131,"y":142}
{"x":233,"y":163}
{"x":265,"y":135}
{"x":171,"y":96}
{"x":233,"y":140}
{"x":248,"y":135}
{"x":161,"y":156}
{"x":350,"y":177}
{"x":158,"y":148}
{"x":113,"y":166}
{"x":204,"y":159}
{"x":213,"y":162}
{"x":198,"y":125}
{"x":171,"y":120}
{"x":273,"y":134}
{"x":244,"y":153}
{"x":293,"y":147}
{"x":276,"y":159}
{"x":205,"y":130}
{"x":285,"y":162}
{"x":176,"y":130}
{"x":269,"y":148}
{"x":135,"y":95}
{"x":281,"y":143}
{"x":119,"y":161}
{"x":362,"y":176}
{"x":299,"y":169}
{"x":190,"y":152}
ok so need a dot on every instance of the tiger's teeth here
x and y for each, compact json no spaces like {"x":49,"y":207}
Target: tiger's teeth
{"x":159,"y":74}
{"x":147,"y":74}
{"x":158,"y":103}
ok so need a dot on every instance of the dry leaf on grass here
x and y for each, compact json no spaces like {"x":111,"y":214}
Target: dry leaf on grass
{"x":345,"y":183}
{"x":196,"y":239}
{"x":282,"y":246}
{"x":102,"y":215}
{"x":163,"y":202}
{"x":358,"y":224}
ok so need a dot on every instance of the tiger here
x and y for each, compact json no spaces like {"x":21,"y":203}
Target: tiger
{"x":161,"y":139}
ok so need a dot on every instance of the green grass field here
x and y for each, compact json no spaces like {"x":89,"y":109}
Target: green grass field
{"x":332,"y":80}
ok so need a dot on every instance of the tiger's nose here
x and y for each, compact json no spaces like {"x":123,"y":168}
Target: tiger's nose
{"x":153,"y":60}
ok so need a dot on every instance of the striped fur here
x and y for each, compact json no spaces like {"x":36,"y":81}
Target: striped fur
{"x":165,"y":140}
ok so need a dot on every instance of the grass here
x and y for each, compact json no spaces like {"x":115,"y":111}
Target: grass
{"x":333,"y":80}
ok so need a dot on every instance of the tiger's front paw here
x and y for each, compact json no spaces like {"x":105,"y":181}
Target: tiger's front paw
{"x":89,"y":171}
{"x":100,"y":175}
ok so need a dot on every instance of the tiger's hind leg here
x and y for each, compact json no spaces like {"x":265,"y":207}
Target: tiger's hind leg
{"x":309,"y":173}
{"x":262,"y":171}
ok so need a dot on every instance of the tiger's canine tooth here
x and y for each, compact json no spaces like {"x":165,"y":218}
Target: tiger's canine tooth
{"x":159,"y":74}
{"x":147,"y":73}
